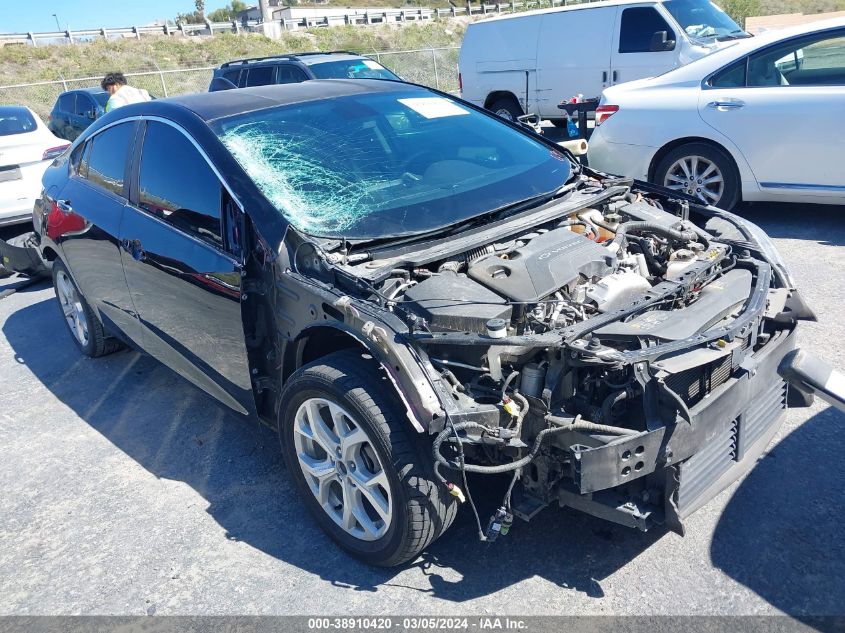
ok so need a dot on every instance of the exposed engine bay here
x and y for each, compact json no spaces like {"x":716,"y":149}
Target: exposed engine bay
{"x":580,"y":351}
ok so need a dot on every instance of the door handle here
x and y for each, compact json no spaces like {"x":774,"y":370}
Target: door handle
{"x":614,"y":75}
{"x":726,"y":104}
{"x":604,"y":76}
{"x":64,"y":206}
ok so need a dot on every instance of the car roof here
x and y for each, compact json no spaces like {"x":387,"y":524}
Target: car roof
{"x":92,"y":90}
{"x":572,"y":7}
{"x":210,"y":106}
{"x":305,"y":58}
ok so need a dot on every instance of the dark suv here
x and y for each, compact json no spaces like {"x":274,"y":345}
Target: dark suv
{"x":75,"y":110}
{"x":292,"y":69}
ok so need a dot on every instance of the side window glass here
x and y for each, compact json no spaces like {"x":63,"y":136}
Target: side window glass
{"x":232,"y":76}
{"x":290,"y":75}
{"x":84,"y":105}
{"x":812,"y":61}
{"x":260,"y":76}
{"x":106,"y":159}
{"x":638,"y":28}
{"x":177,"y":184}
{"x":76,"y":162}
{"x":67,"y":103}
{"x":731,"y":77}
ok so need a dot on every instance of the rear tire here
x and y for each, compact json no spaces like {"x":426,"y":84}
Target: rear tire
{"x":366,"y":477}
{"x":507,"y":108}
{"x":703,"y":171}
{"x":84,"y":326}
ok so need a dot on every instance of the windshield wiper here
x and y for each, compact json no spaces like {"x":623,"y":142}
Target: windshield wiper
{"x":734,"y":35}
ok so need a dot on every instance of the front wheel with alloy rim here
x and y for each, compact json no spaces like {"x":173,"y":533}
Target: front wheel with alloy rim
{"x":702,"y":171}
{"x":366,"y":477}
{"x":84,"y":326}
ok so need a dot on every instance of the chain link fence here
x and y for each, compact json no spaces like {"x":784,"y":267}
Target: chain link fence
{"x":435,"y":67}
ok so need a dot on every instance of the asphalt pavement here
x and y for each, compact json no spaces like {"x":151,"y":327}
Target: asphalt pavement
{"x":125,"y":490}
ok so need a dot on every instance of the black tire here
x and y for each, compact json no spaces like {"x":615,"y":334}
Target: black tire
{"x":730,"y":194}
{"x":97,"y":343}
{"x":506,"y":107}
{"x":421,"y":509}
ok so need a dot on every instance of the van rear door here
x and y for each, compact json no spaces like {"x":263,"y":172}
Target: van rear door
{"x":639,"y":47}
{"x":573,"y":55}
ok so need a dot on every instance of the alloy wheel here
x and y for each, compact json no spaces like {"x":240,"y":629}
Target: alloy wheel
{"x":696,"y":176}
{"x":505,"y":114}
{"x":71,"y":304}
{"x":342,"y":469}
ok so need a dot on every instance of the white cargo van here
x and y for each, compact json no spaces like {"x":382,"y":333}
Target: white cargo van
{"x":547,"y":56}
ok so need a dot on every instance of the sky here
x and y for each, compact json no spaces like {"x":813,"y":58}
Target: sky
{"x":21,"y":16}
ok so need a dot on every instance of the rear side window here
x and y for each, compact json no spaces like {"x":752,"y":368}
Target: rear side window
{"x":232,"y":76}
{"x":67,"y":103}
{"x":817,"y":60}
{"x":16,"y":120}
{"x":177,"y":185}
{"x":105,"y":157}
{"x":731,"y":77}
{"x":288,"y":74}
{"x":260,"y":76}
{"x":639,"y":24}
{"x":84,"y":105}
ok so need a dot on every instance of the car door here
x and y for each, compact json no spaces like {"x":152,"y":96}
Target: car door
{"x":783,"y":107}
{"x":639,"y":47}
{"x":573,"y":55}
{"x":183,"y":280}
{"x":61,"y":116}
{"x":85,"y":225}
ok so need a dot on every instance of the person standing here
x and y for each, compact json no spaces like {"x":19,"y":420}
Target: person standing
{"x":120,"y":93}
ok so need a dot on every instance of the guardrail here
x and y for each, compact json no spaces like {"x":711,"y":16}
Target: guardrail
{"x":356,"y":19}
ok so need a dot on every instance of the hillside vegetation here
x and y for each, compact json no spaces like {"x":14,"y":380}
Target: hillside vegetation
{"x":27,"y":64}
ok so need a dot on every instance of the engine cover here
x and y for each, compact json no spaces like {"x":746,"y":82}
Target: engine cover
{"x":544,"y":265}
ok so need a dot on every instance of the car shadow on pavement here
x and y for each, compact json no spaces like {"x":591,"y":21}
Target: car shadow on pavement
{"x":176,"y":432}
{"x":781,"y":534}
{"x":814,"y":222}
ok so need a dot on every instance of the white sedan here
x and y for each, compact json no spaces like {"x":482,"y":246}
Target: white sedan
{"x":763,"y":119}
{"x":27,"y":148}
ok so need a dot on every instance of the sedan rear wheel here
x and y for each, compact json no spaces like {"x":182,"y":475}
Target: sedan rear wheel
{"x":84,"y":326}
{"x":702,"y":171}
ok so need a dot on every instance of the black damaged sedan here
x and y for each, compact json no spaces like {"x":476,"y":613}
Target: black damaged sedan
{"x":410,"y":289}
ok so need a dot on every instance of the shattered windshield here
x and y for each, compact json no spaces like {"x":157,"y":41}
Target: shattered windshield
{"x":702,"y":19}
{"x":385,"y":164}
{"x":351,"y":69}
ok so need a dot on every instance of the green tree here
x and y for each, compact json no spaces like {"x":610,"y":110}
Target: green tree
{"x":228,"y":13}
{"x":741,"y":9}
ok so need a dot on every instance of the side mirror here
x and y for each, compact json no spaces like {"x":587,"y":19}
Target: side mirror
{"x":660,"y":42}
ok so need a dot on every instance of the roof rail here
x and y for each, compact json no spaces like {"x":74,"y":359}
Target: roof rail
{"x":293,"y":56}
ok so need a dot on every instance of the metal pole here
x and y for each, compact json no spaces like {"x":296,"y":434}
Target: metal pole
{"x":161,"y":77}
{"x":436,"y":78}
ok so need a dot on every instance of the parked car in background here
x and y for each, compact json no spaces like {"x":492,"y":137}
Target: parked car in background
{"x":289,"y":69}
{"x":27,"y":148}
{"x":761,"y":120}
{"x":550,"y":55}
{"x":75,"y":110}
{"x":441,"y":292}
